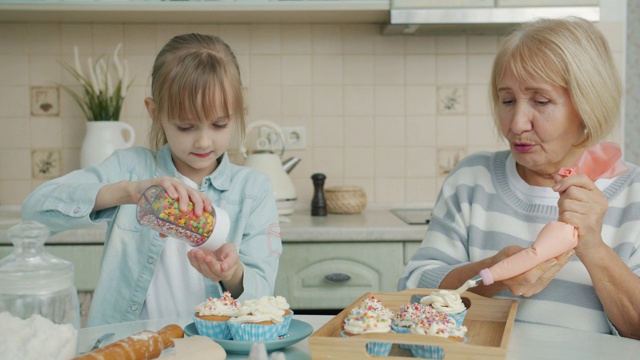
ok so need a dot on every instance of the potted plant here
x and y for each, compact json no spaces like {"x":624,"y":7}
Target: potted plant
{"x":101,"y":100}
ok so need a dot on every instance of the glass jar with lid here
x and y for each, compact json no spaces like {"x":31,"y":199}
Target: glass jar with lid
{"x":37,"y":298}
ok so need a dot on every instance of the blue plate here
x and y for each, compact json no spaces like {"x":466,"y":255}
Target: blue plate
{"x":298,"y":331}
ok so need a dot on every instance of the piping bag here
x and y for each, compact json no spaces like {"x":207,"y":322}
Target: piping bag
{"x":600,"y":161}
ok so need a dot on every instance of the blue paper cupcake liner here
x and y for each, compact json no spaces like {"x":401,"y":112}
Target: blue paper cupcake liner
{"x":459,"y":317}
{"x":214,"y":329}
{"x":427,"y":352}
{"x":256,"y":332}
{"x":374,"y":347}
{"x":287,"y":322}
{"x":401,"y":330}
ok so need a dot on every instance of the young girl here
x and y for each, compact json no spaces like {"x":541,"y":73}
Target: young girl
{"x":196,"y":103}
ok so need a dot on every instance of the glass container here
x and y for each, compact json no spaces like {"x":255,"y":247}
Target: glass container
{"x":37,"y":298}
{"x":160,"y":212}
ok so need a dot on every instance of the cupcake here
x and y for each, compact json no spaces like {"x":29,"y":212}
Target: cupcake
{"x":212,"y":316}
{"x":372,"y":303}
{"x":435,"y":324}
{"x":447,"y":302}
{"x":281,"y":303}
{"x":258,"y":320}
{"x":406,"y":316}
{"x":368,"y":317}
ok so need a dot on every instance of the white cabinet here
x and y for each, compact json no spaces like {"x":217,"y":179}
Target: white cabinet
{"x":85,"y":260}
{"x":332,"y":275}
{"x":220,"y":12}
{"x":410,"y":248}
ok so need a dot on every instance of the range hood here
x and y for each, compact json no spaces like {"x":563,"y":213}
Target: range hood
{"x":493,"y":20}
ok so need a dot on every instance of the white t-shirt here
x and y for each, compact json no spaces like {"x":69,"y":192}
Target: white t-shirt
{"x":176,"y":288}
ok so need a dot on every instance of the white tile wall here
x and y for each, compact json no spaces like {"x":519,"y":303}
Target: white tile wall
{"x":369,"y":102}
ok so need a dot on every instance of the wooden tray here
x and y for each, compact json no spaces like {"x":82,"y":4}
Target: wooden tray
{"x":489,"y":323}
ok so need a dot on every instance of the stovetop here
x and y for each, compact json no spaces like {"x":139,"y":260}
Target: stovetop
{"x":413,"y":216}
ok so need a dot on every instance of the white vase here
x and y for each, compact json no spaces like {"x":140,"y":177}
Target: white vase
{"x":102,"y":138}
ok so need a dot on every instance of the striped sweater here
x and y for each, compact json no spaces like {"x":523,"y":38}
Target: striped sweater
{"x":484,"y":206}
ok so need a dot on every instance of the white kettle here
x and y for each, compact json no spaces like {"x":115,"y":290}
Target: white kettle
{"x":266,"y":161}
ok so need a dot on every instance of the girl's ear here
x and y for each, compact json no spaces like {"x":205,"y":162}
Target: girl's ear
{"x":151,"y":107}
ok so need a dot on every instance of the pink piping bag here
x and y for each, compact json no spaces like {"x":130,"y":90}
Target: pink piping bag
{"x":602,"y":160}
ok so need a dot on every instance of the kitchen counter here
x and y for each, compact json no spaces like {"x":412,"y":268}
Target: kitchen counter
{"x":374,"y":224}
{"x":315,"y":249}
{"x":527,"y":341}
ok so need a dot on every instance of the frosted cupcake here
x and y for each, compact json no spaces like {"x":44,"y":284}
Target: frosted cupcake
{"x":369,"y":317}
{"x":447,"y":302}
{"x":212,"y":316}
{"x":281,"y":303}
{"x":407,"y":316}
{"x":435,"y":324}
{"x":374,"y":304}
{"x":258,"y":320}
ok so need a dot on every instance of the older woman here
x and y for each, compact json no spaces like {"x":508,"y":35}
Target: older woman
{"x":555,"y":91}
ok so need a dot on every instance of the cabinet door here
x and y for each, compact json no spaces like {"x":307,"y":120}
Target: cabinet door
{"x":410,"y":248}
{"x":334,"y":275}
{"x":85,"y":259}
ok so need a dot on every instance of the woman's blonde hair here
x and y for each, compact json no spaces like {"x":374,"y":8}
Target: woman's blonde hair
{"x":195,"y":76}
{"x":573,"y":54}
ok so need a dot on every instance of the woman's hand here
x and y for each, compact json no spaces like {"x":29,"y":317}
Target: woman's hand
{"x":535,"y":280}
{"x":222,"y":265}
{"x":582,"y":205}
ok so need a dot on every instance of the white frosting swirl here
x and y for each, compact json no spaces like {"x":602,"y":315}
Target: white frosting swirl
{"x":258,"y":310}
{"x":445,"y":301}
{"x":223,"y":306}
{"x":278,"y":301}
{"x":443,"y":329}
{"x":366,"y":322}
{"x":370,"y":316}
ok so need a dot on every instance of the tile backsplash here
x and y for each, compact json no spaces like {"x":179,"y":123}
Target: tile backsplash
{"x":392,"y":114}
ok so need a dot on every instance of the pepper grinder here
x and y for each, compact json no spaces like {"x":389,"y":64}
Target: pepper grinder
{"x":318,"y":203}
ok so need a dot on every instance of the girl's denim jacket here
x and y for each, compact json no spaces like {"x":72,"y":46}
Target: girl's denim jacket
{"x":131,"y":250}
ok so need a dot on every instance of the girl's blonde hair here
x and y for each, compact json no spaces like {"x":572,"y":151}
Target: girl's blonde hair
{"x":573,"y":54}
{"x":195,"y":77}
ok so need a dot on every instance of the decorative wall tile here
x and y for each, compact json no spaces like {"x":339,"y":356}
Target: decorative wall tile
{"x":448,"y":158}
{"x":393,"y":114}
{"x":46,"y":163}
{"x":45,"y":101}
{"x":452,"y":100}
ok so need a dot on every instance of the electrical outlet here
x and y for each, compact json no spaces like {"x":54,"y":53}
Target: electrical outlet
{"x":295,"y":137}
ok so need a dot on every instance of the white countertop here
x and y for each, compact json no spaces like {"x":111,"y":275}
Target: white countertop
{"x":527,"y":341}
{"x":373,"y":224}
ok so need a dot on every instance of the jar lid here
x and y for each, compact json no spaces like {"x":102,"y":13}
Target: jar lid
{"x":29,"y":270}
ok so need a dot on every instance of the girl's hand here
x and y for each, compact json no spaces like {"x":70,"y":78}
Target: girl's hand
{"x":220,"y":265}
{"x":176,"y":189}
{"x":535,"y":280}
{"x":582,"y":205}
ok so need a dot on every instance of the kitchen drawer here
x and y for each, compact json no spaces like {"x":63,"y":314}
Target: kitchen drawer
{"x":85,"y":259}
{"x":410,"y":248}
{"x":333,"y":275}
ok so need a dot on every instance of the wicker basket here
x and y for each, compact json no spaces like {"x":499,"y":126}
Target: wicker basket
{"x":345,"y":199}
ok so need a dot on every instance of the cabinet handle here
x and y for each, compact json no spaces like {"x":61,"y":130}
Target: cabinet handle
{"x":337,"y":277}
